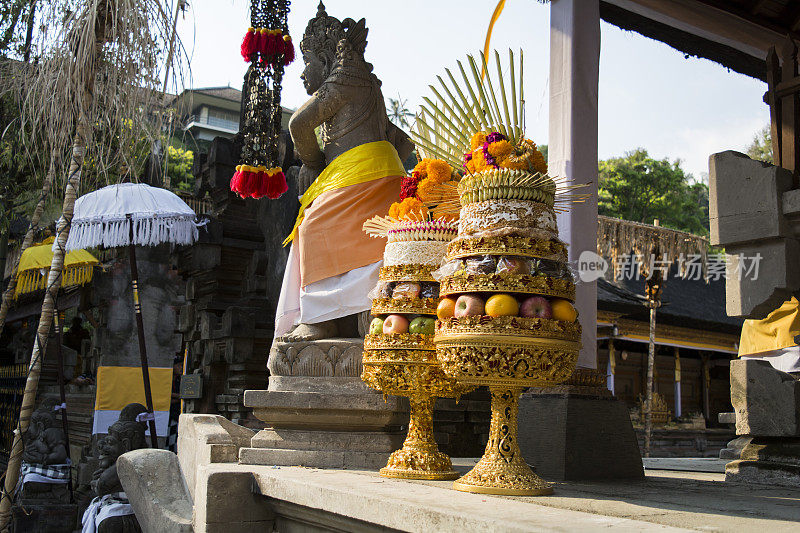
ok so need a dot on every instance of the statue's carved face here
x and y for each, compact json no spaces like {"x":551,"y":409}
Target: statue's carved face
{"x":109,"y":446}
{"x":315,"y":73}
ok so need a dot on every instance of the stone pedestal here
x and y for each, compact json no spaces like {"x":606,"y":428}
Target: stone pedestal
{"x":578,"y":431}
{"x":319,"y":413}
{"x":38,"y":517}
{"x":767,"y":406}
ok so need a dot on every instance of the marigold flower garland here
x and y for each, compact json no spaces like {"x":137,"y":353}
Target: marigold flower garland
{"x":493,"y":150}
{"x":421,"y":187}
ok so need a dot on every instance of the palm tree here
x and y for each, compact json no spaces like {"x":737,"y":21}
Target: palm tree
{"x":398,"y":112}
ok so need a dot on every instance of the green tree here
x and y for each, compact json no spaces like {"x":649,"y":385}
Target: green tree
{"x":639,"y":188}
{"x":398,"y":112}
{"x":761,"y":147}
{"x":179,"y":168}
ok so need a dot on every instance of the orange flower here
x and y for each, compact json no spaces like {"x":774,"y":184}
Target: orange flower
{"x":394,"y":210}
{"x":438,"y":170}
{"x":429,"y":191}
{"x":478,"y":161}
{"x":537,"y":161}
{"x":421,"y":169}
{"x":500,"y":149}
{"x":477,"y":140}
{"x":412,"y":208}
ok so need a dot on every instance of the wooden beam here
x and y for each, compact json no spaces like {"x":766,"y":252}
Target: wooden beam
{"x":773,"y":79}
{"x":764,"y":22}
{"x":757,"y":6}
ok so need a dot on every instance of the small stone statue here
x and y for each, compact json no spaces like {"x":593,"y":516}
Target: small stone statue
{"x":124,"y":435}
{"x":354,"y":176}
{"x":45,"y":443}
{"x":45,"y":468}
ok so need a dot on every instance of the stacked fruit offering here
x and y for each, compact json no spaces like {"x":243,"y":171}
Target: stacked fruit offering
{"x":399,"y":354}
{"x":506,"y":319}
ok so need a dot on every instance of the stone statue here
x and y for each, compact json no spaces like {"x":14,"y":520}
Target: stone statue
{"x":354,"y":176}
{"x":124,"y":435}
{"x":45,"y":443}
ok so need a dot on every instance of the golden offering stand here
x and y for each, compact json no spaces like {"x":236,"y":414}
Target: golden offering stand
{"x":405,"y":364}
{"x":508,"y":354}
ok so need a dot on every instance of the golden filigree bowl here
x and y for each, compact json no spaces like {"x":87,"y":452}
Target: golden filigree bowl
{"x":414,"y":373}
{"x":508,"y":245}
{"x":462,"y":282}
{"x":415,"y":306}
{"x":508,"y":354}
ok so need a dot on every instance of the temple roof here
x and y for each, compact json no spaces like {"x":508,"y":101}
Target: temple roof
{"x":735,"y":33}
{"x":688,"y":303}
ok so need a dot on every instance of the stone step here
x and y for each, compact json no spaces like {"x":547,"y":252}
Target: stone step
{"x":313,"y":458}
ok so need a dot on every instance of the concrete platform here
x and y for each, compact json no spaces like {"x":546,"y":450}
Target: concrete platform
{"x":685,"y":464}
{"x":306,"y":499}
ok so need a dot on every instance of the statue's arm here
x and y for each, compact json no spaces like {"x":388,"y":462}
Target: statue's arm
{"x":401,"y":141}
{"x":322,"y":106}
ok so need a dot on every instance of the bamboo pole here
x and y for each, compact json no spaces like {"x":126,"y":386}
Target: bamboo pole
{"x":80,"y":140}
{"x":137,"y":308}
{"x":648,"y":405}
{"x":27,"y":241}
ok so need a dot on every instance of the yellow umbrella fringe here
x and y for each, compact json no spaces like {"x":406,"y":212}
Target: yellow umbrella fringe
{"x":34,"y":280}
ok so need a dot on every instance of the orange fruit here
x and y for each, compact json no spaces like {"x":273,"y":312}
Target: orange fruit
{"x":446,"y":308}
{"x":563,"y":310}
{"x":502,"y":305}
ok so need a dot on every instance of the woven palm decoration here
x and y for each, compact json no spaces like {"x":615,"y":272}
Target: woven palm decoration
{"x":470,"y":114}
{"x":268,"y":48}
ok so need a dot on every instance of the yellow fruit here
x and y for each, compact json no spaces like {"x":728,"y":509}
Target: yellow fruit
{"x":502,"y":305}
{"x":446,"y":308}
{"x":563,"y":310}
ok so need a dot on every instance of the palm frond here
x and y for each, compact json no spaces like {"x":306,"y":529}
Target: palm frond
{"x":459,"y":108}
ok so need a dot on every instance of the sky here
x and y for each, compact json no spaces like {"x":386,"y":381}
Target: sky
{"x":651,"y":96}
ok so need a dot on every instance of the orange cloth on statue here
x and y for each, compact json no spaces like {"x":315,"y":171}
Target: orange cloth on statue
{"x":330,"y":240}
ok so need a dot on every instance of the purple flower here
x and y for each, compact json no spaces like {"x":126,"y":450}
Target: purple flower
{"x":495,"y":136}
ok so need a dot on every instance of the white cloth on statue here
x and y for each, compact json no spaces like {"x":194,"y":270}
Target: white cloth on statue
{"x":326,"y":299}
{"x":103,"y":507}
{"x":784,"y":359}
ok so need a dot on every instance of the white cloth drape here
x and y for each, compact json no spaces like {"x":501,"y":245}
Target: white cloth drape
{"x":326,"y":299}
{"x":785,"y":359}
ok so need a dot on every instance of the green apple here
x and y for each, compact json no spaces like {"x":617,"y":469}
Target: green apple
{"x":423,"y":325}
{"x":376,"y":326}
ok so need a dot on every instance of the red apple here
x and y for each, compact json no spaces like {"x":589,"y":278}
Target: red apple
{"x":535,"y":306}
{"x":395,"y":324}
{"x":469,"y":305}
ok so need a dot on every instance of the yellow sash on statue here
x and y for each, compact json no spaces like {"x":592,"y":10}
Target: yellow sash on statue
{"x":361,"y":164}
{"x":776,"y":331}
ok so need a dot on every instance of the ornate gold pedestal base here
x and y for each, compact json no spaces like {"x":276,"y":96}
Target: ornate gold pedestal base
{"x":502,"y":470}
{"x":420,"y":458}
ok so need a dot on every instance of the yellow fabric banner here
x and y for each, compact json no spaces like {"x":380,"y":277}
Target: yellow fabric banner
{"x":361,"y":164}
{"x":776,"y":331}
{"x":117,"y":386}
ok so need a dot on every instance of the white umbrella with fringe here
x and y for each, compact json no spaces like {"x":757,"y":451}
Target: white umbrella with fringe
{"x":133,"y":214}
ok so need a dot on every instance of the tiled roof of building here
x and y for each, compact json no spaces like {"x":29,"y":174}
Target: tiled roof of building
{"x":228,"y":93}
{"x":685,"y":302}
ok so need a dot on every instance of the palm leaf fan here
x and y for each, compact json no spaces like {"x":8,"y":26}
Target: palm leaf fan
{"x":463,"y":104}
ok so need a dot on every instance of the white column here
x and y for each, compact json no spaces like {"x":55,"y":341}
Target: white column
{"x":572,"y":143}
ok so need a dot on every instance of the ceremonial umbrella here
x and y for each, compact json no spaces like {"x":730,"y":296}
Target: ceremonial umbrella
{"x":133,"y":214}
{"x":34,"y":266}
